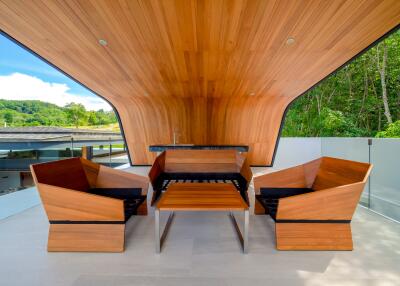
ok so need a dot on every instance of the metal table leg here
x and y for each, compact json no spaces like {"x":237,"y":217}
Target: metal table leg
{"x":244,"y":239}
{"x":246,"y":232}
{"x":160,"y":239}
{"x":157,"y":230}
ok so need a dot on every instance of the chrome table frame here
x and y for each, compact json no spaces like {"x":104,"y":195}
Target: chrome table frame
{"x":243,"y":237}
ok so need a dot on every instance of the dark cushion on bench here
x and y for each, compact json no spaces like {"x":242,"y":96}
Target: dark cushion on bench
{"x":117,"y":193}
{"x":270,"y":197}
{"x":164,"y":179}
{"x":132,"y":197}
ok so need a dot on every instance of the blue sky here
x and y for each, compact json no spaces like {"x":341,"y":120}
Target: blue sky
{"x":24,"y":76}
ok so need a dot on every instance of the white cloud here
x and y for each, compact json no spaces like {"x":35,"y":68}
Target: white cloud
{"x":18,"y":86}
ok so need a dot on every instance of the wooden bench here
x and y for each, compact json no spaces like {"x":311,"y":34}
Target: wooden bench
{"x":200,"y":166}
{"x":312,"y":204}
{"x":201,"y":197}
{"x":88,"y":204}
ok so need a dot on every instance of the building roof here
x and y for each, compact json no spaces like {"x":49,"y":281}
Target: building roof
{"x":31,"y":134}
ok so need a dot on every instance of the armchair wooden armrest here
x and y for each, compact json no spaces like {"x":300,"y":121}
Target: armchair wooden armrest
{"x":63,"y":204}
{"x":337,"y":203}
{"x":288,"y":178}
{"x":301,"y":176}
{"x":112,"y":178}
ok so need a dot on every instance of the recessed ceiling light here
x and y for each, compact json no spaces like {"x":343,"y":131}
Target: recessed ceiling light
{"x":103,"y":42}
{"x":290,"y":41}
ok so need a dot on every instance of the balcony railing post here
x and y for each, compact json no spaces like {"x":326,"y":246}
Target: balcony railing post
{"x":72,"y":146}
{"x":110,"y":152}
{"x":369,"y":179}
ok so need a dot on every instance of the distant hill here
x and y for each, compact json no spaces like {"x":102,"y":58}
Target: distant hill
{"x":15,"y":113}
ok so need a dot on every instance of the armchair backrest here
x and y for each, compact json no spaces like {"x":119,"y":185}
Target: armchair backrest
{"x":68,"y":173}
{"x":333,"y":172}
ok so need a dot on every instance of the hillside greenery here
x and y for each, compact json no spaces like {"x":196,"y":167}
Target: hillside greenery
{"x":15,"y":113}
{"x":361,"y":99}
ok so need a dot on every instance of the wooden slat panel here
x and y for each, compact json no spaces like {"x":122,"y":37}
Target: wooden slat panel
{"x":336,"y":172}
{"x":313,"y":236}
{"x":67,"y":173}
{"x":216,"y":72}
{"x":86,"y":237}
{"x":112,"y":178}
{"x":91,"y":171}
{"x":301,"y":176}
{"x":201,"y":197}
{"x":200,"y":156}
{"x":157,"y":168}
{"x":65,"y":204}
{"x":201,"y":168}
{"x":337,"y":203}
{"x":203,"y":161}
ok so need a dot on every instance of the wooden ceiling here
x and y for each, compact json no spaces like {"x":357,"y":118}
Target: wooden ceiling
{"x":214,"y":71}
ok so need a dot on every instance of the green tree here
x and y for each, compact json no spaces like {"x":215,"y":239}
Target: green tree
{"x":38,"y":113}
{"x":8,"y":117}
{"x":93,"y":120}
{"x":361,"y":99}
{"x":76,"y":113}
{"x":392,"y":131}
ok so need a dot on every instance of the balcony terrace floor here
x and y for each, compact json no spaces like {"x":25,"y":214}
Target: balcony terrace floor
{"x":201,"y":249}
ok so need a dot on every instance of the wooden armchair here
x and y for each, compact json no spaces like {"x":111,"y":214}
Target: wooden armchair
{"x":88,"y":204}
{"x":312,"y":204}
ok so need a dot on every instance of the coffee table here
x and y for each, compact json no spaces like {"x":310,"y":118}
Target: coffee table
{"x":188,"y":197}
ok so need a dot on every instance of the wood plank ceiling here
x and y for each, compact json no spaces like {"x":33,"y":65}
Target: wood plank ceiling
{"x":214,"y":71}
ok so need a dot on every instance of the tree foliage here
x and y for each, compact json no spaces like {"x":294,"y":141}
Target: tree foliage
{"x":392,"y":131}
{"x":361,"y":99}
{"x":77,"y":114}
{"x":37,"y":113}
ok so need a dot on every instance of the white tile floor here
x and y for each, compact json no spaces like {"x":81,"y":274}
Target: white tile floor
{"x":201,"y":249}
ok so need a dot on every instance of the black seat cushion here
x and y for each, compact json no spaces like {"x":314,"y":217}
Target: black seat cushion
{"x":269,"y":197}
{"x":132,"y":197}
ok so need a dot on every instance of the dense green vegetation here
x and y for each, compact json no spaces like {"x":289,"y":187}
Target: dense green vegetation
{"x":361,"y":99}
{"x":37,"y":113}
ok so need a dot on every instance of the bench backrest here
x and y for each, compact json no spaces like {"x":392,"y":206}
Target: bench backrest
{"x":200,"y":164}
{"x":201,"y":161}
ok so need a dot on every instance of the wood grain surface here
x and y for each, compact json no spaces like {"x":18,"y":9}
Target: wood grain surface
{"x":201,"y":197}
{"x":212,"y":72}
{"x":313,"y":236}
{"x":112,"y":178}
{"x":86,"y":237}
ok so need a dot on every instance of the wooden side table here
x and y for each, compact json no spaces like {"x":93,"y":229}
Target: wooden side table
{"x":201,"y":197}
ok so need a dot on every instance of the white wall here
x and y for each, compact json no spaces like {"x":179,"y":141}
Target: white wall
{"x":296,"y":151}
{"x":16,"y":202}
{"x":291,"y":152}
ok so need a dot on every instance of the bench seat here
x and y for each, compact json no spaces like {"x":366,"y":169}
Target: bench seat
{"x":200,"y":166}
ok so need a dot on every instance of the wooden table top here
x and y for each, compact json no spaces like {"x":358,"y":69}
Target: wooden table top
{"x":201,"y":197}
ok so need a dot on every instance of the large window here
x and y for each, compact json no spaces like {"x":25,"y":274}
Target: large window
{"x":356,"y":114}
{"x":360,"y":100}
{"x":44,"y":115}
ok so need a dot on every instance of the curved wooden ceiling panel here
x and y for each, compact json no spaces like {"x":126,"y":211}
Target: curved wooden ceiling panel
{"x":217,"y":72}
